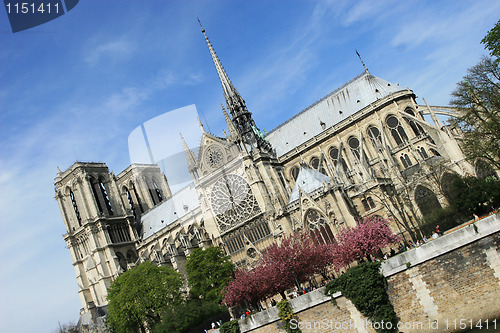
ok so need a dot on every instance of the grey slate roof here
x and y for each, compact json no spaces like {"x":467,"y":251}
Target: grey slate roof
{"x":169,"y":211}
{"x":308,"y":180}
{"x":330,"y":110}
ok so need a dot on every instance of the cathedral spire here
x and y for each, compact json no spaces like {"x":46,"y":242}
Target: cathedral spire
{"x":362,"y":62}
{"x":189,"y":155}
{"x":241,"y":118}
{"x":231,"y":95}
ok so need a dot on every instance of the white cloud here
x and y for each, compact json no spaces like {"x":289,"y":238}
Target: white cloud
{"x":120,"y":48}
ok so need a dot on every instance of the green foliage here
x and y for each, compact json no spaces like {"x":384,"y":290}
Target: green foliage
{"x":467,"y":196}
{"x":474,"y":195}
{"x":187,"y":315}
{"x":230,"y":327}
{"x":286,"y":314}
{"x":492,"y":41}
{"x":366,"y":288}
{"x":478,"y":99}
{"x":446,"y":218}
{"x":137,"y":297}
{"x":208,"y":271}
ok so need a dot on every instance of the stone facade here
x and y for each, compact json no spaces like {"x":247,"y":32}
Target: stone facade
{"x":363,"y":149}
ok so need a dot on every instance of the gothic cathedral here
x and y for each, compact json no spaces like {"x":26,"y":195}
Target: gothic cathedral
{"x":363,"y":149}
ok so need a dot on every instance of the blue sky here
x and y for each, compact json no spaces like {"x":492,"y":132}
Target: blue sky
{"x":74,"y":89}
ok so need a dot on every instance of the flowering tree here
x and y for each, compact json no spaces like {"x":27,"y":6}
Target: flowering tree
{"x":247,"y":286}
{"x":371,"y":234}
{"x":297,"y":258}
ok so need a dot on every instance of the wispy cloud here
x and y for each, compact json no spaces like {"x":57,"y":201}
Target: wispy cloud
{"x":115,"y":49}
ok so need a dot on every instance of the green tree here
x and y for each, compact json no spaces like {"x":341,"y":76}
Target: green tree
{"x":492,"y":41}
{"x":478,"y":98}
{"x":473,"y":195}
{"x":138,"y":297}
{"x":208,"y":272}
{"x":188,"y":315}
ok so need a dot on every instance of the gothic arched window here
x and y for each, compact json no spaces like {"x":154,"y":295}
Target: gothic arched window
{"x":130,"y":201}
{"x":94,"y":185}
{"x":75,"y":207}
{"x":397,"y":131}
{"x":158,"y":192}
{"x":426,"y":200}
{"x":374,"y":134}
{"x":422,"y":153}
{"x":368,"y":203}
{"x":106,"y":197}
{"x":132,"y":186}
{"x":295,"y":172}
{"x":318,"y":227}
{"x":334,"y":155}
{"x":416,"y":128}
{"x":316,"y":165}
{"x":405,"y":159}
{"x":354,"y":144}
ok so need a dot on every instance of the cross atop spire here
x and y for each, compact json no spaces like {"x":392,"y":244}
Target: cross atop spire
{"x":366,"y":69}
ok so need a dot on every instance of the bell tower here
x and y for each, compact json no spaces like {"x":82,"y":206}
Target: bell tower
{"x":99,"y":229}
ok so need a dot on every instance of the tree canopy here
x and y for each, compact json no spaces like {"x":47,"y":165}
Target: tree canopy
{"x":478,"y":98}
{"x":137,"y":298}
{"x":362,"y":241}
{"x":296,"y":259}
{"x":208,"y":271}
{"x":492,"y":41}
{"x":471,"y":195}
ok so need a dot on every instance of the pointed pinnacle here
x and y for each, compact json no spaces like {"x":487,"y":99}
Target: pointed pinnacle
{"x":229,"y":122}
{"x":201,"y":125}
{"x":189,"y":154}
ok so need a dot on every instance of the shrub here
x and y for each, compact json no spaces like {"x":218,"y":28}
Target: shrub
{"x":286,"y":314}
{"x":367,"y":289}
{"x":230,"y":327}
